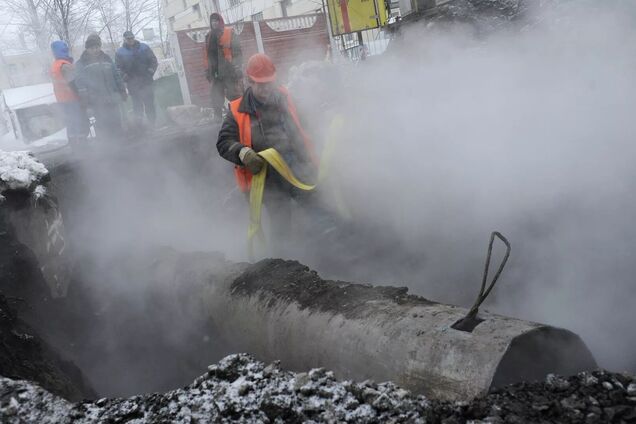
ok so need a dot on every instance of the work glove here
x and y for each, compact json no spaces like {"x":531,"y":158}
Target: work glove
{"x":252,"y":161}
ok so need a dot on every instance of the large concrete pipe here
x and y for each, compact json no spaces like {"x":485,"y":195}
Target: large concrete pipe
{"x":282,"y":310}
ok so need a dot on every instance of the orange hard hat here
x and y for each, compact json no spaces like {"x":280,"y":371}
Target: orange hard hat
{"x":260,"y":68}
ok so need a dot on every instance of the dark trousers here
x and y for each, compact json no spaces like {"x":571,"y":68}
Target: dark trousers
{"x":108,"y":121}
{"x":222,"y":88}
{"x":143,"y":100}
{"x":294,"y":215}
{"x":76,"y":121}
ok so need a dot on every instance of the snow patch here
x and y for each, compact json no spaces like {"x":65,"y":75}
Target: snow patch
{"x":39,"y":192}
{"x":20,"y":171}
{"x":240,"y":389}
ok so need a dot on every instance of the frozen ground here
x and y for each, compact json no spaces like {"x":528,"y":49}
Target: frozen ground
{"x":240,"y":389}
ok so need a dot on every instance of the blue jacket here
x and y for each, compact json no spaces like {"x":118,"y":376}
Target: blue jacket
{"x":137,"y":63}
{"x":98,"y":81}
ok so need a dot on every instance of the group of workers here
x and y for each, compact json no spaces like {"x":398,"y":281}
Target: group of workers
{"x":96,"y":86}
{"x":260,"y":117}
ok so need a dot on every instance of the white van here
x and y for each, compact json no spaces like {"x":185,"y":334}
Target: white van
{"x":32,"y":119}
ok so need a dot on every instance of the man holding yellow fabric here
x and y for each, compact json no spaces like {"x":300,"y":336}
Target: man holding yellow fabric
{"x":265,"y":117}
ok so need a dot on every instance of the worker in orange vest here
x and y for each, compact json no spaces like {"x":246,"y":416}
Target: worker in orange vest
{"x":266,"y":117}
{"x":63,"y":76}
{"x":223,"y":57}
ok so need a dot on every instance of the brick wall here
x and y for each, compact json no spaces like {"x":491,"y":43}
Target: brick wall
{"x":288,"y":41}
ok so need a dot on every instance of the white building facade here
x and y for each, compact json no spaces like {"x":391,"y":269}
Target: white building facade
{"x":185,"y":14}
{"x":254,"y":10}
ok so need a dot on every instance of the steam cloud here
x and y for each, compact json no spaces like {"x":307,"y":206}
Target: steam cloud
{"x":528,"y":130}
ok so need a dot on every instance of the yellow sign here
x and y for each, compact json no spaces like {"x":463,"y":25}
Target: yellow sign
{"x":348,"y":16}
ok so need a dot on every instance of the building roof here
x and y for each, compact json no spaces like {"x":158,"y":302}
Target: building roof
{"x":27,"y":96}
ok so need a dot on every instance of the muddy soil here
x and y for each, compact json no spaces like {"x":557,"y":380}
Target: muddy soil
{"x":287,"y":280}
{"x":24,"y":355}
{"x":26,"y":312}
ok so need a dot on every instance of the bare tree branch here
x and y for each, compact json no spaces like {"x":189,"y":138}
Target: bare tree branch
{"x":30,"y":16}
{"x":70,"y":18}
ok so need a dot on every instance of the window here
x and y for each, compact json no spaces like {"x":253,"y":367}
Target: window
{"x":234,"y":2}
{"x":257,"y":16}
{"x":197,"y":10}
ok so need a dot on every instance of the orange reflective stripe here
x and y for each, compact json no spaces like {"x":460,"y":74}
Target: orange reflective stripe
{"x":242,"y":175}
{"x":226,"y":43}
{"x":63,"y":92}
{"x":244,"y":122}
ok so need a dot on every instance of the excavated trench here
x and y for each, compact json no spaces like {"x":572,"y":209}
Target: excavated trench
{"x":140,"y":317}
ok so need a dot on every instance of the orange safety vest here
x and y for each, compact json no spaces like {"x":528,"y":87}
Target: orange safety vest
{"x":243,"y":176}
{"x":63,"y":92}
{"x":225,"y":42}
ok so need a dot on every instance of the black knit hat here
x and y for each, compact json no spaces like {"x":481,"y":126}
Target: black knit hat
{"x":93,"y":40}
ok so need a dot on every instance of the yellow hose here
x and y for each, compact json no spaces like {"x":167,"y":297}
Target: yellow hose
{"x":275,"y":160}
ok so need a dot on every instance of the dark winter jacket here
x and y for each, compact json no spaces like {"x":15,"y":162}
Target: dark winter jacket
{"x":218,"y":66}
{"x":271,"y":126}
{"x":97,"y":79}
{"x":137,"y":63}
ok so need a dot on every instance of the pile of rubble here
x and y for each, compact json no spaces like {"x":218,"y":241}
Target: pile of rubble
{"x":590,"y":397}
{"x":240,"y":389}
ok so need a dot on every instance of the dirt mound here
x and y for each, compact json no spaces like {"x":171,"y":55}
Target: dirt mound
{"x":237,"y":389}
{"x":291,"y":280}
{"x":240,"y":389}
{"x":590,"y":397}
{"x":24,"y":355}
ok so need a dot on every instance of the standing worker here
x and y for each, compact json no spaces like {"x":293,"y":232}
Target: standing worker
{"x":223,"y":57}
{"x":63,"y":75}
{"x":265,"y":117}
{"x":101,"y":88}
{"x":137,"y":63}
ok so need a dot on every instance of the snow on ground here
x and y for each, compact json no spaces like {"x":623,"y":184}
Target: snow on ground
{"x":20,"y":171}
{"x":237,"y":389}
{"x":241,"y":389}
{"x":9,"y":143}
